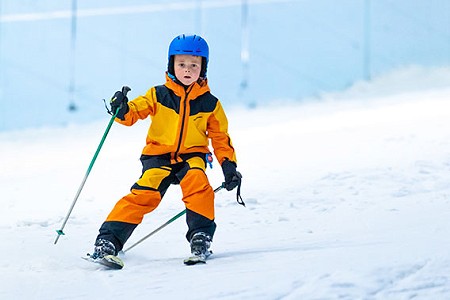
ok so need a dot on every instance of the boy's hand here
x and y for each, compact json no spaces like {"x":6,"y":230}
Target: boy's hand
{"x":119,"y":101}
{"x":232,"y":176}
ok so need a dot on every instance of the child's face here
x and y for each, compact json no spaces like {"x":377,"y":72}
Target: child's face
{"x":187,"y":68}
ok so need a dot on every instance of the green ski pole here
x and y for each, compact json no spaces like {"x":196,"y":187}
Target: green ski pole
{"x":60,"y":231}
{"x":164,"y":225}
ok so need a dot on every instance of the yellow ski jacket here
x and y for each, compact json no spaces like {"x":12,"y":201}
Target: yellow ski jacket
{"x":182,"y":121}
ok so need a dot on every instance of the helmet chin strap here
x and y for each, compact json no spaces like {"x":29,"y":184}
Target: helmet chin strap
{"x":171,"y":76}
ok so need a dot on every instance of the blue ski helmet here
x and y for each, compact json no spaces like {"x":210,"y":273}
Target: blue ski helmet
{"x":190,"y":45}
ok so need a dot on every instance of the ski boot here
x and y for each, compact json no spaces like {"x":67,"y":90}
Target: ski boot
{"x":103,"y":248}
{"x":200,"y":244}
{"x":105,"y":254}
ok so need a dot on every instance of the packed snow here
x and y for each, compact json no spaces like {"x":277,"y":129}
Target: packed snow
{"x":347,"y":197}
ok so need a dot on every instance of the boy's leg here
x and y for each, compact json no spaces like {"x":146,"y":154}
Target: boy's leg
{"x":145,"y":196}
{"x":126,"y":215}
{"x":198,"y":197}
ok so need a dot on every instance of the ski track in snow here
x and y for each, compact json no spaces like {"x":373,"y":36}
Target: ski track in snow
{"x":348,"y":202}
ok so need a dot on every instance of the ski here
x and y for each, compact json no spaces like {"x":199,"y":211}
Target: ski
{"x":109,"y":261}
{"x":197,"y":259}
{"x":193,"y":260}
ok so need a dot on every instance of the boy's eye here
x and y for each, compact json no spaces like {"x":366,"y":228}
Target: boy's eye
{"x":184,"y":65}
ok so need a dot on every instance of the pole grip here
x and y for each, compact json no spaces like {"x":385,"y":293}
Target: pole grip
{"x":125,"y":90}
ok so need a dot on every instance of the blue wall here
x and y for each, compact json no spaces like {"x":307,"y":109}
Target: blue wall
{"x":298,"y":49}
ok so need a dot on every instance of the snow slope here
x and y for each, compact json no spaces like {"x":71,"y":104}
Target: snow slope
{"x":345,"y":199}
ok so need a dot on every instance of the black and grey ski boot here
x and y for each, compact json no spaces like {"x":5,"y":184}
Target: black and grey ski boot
{"x":102,"y":248}
{"x":200,"y":243}
{"x":105,"y":254}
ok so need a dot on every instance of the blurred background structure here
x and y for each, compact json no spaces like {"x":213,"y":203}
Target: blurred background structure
{"x":60,"y":58}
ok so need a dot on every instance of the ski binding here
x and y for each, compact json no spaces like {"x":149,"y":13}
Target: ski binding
{"x":109,"y":261}
{"x":197,"y":259}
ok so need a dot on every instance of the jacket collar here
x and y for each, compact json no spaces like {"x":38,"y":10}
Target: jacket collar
{"x":194,"y":90}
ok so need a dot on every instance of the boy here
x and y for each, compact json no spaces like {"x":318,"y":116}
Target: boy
{"x":184,"y":116}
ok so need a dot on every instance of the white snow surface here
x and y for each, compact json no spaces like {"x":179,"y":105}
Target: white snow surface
{"x":347,"y":198}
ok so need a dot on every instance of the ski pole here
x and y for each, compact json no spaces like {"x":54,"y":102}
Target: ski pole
{"x":60,"y":231}
{"x":165,"y":224}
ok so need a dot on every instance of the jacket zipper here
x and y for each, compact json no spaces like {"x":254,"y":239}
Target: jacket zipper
{"x":183,"y":117}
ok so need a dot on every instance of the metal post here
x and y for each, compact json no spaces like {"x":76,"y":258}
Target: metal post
{"x":73,"y":39}
{"x":245,"y":55}
{"x":366,"y":55}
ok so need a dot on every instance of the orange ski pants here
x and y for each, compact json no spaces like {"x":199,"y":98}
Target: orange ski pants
{"x":147,"y":192}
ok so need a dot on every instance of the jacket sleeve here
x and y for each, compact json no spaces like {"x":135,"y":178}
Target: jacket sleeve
{"x":140,"y":108}
{"x":218,"y":133}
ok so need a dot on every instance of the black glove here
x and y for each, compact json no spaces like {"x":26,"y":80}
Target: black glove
{"x":119,"y":101}
{"x":232,"y":177}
